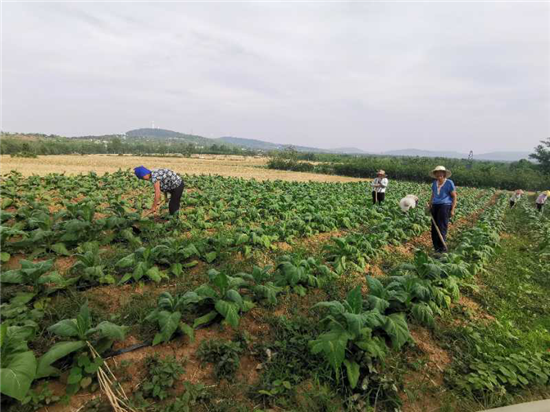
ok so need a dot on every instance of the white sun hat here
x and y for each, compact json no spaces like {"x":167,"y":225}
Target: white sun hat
{"x":440,"y":169}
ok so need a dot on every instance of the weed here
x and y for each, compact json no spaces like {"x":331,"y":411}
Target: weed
{"x":162,"y":375}
{"x":223,"y":354}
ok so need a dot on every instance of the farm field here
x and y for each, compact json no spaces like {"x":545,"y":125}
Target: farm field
{"x":224,"y":165}
{"x":264,"y":294}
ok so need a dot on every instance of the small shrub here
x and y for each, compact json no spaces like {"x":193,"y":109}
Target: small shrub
{"x":223,"y":354}
{"x":162,"y":376}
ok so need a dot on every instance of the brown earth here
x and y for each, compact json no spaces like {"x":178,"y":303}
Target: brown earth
{"x":422,"y":388}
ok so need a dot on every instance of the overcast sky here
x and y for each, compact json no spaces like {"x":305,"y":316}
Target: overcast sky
{"x":377,"y":76}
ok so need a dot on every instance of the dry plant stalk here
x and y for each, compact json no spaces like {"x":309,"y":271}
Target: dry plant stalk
{"x":107,"y":382}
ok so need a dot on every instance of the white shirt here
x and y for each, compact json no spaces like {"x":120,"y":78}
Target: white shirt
{"x":407,"y":203}
{"x":383,"y":184}
{"x":541,"y":199}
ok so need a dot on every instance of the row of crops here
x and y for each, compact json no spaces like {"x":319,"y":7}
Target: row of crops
{"x":97,"y":224}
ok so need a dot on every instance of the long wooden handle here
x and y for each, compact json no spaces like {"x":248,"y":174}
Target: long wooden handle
{"x":438,"y":232}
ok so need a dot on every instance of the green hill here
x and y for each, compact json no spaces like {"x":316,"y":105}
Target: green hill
{"x":163,"y":134}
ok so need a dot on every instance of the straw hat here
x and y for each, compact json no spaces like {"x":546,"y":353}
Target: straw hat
{"x":381,"y":172}
{"x":440,"y":169}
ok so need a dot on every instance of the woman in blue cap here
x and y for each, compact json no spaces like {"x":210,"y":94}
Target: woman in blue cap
{"x":165,"y":181}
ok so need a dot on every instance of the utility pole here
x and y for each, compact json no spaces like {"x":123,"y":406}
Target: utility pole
{"x":470,"y":160}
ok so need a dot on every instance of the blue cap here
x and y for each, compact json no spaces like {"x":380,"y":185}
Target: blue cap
{"x":141,"y":172}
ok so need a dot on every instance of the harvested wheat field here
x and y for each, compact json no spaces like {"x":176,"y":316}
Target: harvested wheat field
{"x":223,"y":165}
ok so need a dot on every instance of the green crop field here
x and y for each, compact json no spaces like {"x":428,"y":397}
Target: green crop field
{"x":270,"y":295}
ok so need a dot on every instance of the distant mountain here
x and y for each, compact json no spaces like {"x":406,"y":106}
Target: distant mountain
{"x":266,"y":146}
{"x":256,"y":144}
{"x":252,"y":143}
{"x":494,"y":156}
{"x":503,"y":156}
{"x":169,"y":135}
{"x":348,"y":150}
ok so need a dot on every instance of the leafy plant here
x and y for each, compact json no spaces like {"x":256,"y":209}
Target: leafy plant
{"x":348,"y":334}
{"x":89,"y":266}
{"x":223,"y":354}
{"x":81,"y":336}
{"x":36,"y":275}
{"x":261,"y":283}
{"x":143,"y":263}
{"x":299,"y":274}
{"x":162,"y":375}
{"x":221,"y":297}
{"x":17,"y":362}
{"x":168,"y":316}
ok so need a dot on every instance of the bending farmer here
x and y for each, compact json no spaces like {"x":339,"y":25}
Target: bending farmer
{"x":442,"y":206}
{"x":166,"y":181}
{"x":379,"y":185}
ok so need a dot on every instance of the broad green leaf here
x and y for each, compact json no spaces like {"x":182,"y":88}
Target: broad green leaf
{"x":219,"y":279}
{"x":187,"y":330}
{"x":4,"y":257}
{"x":210,"y":257}
{"x":355,"y":300}
{"x":22,"y":298}
{"x":66,"y":328}
{"x":397,"y":329}
{"x":155,"y":274}
{"x":11,"y":276}
{"x":209,"y":317}
{"x":16,"y":377}
{"x":56,"y":352}
{"x":378,"y":303}
{"x":168,"y":323}
{"x":423,"y":314}
{"x":353,"y":372}
{"x":60,"y":249}
{"x":109,"y":330}
{"x":375,"y":287}
{"x":126,"y":262}
{"x":333,"y":345}
{"x":229,"y":310}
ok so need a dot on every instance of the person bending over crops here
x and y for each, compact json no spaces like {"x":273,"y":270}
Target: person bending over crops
{"x":165,"y":181}
{"x":516,"y":196}
{"x":379,"y":185}
{"x":541,"y":200}
{"x":442,"y":206}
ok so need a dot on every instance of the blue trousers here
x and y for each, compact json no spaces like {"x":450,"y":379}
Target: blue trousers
{"x":441,"y":215}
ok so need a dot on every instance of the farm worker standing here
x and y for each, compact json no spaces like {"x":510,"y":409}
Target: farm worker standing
{"x":541,"y":200}
{"x":442,"y":206}
{"x":165,"y":181}
{"x":516,"y":196}
{"x":379,"y":185}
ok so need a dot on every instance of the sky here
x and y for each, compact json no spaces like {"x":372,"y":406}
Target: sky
{"x":377,"y":76}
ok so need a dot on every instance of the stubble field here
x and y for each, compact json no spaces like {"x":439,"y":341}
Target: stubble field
{"x":235,"y":166}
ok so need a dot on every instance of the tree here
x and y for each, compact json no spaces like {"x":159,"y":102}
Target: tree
{"x":542,"y":155}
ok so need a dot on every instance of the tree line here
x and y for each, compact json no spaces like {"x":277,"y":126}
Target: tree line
{"x":64,"y":146}
{"x":509,"y":176}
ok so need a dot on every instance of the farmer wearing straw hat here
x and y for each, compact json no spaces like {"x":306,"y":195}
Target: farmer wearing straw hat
{"x":442,"y":206}
{"x":165,"y":181}
{"x":379,"y":185}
